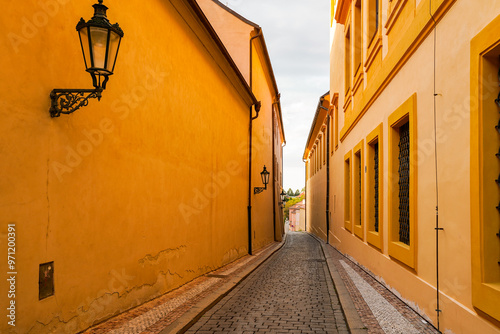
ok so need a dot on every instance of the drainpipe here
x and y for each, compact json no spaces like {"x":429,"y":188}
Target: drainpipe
{"x":305,"y":193}
{"x":328,"y":180}
{"x":327,"y":173}
{"x":274,"y":175}
{"x":275,"y":103}
{"x":257,"y":109}
{"x":282,"y":203}
{"x":437,"y":228}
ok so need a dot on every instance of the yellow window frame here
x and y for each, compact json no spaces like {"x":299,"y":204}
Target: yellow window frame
{"x":485,"y":278}
{"x":358,"y":192}
{"x":373,"y":237}
{"x":347,"y":191}
{"x":348,"y":71}
{"x":406,"y":254}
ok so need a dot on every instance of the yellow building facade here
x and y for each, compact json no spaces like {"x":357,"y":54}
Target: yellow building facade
{"x":141,"y":192}
{"x":400,"y":160}
{"x":245,"y":41}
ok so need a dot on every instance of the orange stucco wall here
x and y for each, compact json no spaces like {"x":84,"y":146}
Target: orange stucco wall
{"x":134,"y":195}
{"x":239,"y":37}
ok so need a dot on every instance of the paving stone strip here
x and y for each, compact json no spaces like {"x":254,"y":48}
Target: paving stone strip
{"x":391,"y":321}
{"x":364,"y":289}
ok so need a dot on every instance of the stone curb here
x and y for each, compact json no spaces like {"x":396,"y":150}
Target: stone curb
{"x":354,"y":322}
{"x":188,"y":319}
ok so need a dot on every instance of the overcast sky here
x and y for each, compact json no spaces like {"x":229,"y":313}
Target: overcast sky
{"x":297,"y":38}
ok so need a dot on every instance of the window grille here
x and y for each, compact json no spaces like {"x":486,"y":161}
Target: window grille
{"x":375,"y":165}
{"x":404,"y":183}
{"x":359,"y":189}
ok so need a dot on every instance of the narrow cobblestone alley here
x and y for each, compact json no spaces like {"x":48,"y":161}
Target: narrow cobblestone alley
{"x":290,"y":293}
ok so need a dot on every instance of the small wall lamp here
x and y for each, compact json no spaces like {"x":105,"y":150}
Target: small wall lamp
{"x":265,"y":179}
{"x":100,"y":41}
{"x":282,"y":196}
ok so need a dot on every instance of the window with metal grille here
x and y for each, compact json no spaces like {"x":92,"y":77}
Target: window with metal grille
{"x":376,"y":201}
{"x":485,"y":192}
{"x":359,"y":190}
{"x":357,"y":195}
{"x":347,"y":191}
{"x":347,"y":61}
{"x":404,"y":183}
{"x":372,"y":20}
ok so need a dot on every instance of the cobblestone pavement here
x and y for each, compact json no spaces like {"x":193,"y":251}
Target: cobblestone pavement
{"x":290,"y":293}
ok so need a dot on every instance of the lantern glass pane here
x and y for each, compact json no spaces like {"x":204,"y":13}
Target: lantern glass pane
{"x":265,"y":176}
{"x":114,"y":43}
{"x":99,"y":38}
{"x":84,"y":41}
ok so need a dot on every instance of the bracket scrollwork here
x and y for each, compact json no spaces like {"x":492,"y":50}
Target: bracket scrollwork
{"x":67,"y":101}
{"x":258,"y":190}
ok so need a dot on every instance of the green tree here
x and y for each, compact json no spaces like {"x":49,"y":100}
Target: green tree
{"x":297,"y":192}
{"x":290,"y":192}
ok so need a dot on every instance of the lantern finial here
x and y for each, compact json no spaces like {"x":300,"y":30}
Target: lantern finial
{"x":100,"y":10}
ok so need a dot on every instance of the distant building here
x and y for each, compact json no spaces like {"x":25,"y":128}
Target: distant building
{"x":297,"y":216}
{"x":408,"y":77}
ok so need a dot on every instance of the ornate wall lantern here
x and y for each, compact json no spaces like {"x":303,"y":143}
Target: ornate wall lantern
{"x":265,"y":179}
{"x":100,"y":41}
{"x":282,"y":196}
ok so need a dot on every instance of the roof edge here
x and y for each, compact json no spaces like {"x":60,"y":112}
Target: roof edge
{"x":313,"y":125}
{"x":268,"y":59}
{"x":215,"y":37}
{"x":247,"y":21}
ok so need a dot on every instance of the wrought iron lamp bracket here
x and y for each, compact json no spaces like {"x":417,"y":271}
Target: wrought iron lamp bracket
{"x":67,"y":101}
{"x":258,"y":190}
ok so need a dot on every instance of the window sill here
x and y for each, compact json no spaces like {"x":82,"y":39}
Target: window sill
{"x":395,"y":10}
{"x":358,"y":80}
{"x":347,"y":102}
{"x":373,"y":49}
{"x":348,"y":226}
{"x":403,"y":253}
{"x":485,"y":297}
{"x":374,"y":239}
{"x":358,"y":231}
